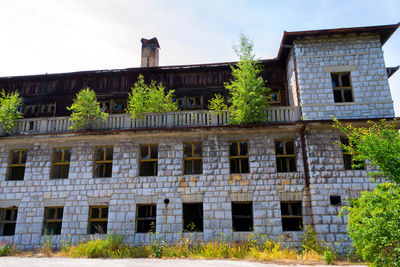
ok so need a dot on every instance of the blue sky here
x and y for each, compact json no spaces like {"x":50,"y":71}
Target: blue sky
{"x":71,"y":35}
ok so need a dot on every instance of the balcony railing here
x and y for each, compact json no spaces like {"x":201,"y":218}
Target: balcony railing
{"x":178,"y":119}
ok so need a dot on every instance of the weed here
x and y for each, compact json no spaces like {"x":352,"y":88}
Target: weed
{"x":6,"y":249}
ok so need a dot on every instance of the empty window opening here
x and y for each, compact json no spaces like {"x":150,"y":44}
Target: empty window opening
{"x":8,"y":217}
{"x":336,"y":200}
{"x":52,"y":220}
{"x":242,"y":216}
{"x":189,"y":102}
{"x":148,"y":163}
{"x":349,"y":162}
{"x":60,"y":165}
{"x":342,"y":90}
{"x":239,"y":156}
{"x":192,"y":217}
{"x":292,"y":219}
{"x":16,"y":169}
{"x":98,"y":217}
{"x":192,"y":158}
{"x":285,"y":155}
{"x":103,"y":161}
{"x":146,"y":218}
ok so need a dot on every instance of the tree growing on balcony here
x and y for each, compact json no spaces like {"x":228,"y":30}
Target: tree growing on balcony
{"x":150,"y":98}
{"x":9,"y":114}
{"x":85,"y":110}
{"x":249,"y":95}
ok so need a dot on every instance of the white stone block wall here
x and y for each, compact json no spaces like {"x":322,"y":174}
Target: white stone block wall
{"x":362,"y":56}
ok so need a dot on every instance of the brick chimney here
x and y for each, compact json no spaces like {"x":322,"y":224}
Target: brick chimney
{"x":150,"y":52}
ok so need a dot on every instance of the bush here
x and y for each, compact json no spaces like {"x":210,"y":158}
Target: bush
{"x":217,"y":103}
{"x":149,"y":99}
{"x":374,"y":225}
{"x":9,"y":114}
{"x":86,"y":110}
{"x":6,"y":250}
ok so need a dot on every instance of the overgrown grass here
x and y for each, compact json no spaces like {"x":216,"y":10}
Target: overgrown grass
{"x":6,"y":250}
{"x":257,"y":248}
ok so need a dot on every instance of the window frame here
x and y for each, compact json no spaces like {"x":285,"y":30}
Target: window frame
{"x":290,"y":216}
{"x":243,"y":216}
{"x":104,"y":161}
{"x":53,"y":164}
{"x":239,"y":157}
{"x":100,"y":219}
{"x":348,"y":154}
{"x":56,"y":220}
{"x":286,"y":156}
{"x":278,"y":94}
{"x":192,"y":158}
{"x":14,"y":211}
{"x":342,"y":88}
{"x":11,"y":165}
{"x":148,"y":160}
{"x":185,"y":102}
{"x":151,"y":218}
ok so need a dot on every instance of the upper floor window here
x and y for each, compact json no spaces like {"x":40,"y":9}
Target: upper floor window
{"x":148,"y":162}
{"x":348,"y":160}
{"x":8,"y":220}
{"x":189,"y":102}
{"x":103,"y":161}
{"x":285,"y":155}
{"x":274,"y":97}
{"x":192,"y":158}
{"x":239,"y":156}
{"x":342,"y":90}
{"x":60,"y":166}
{"x":113,"y":105}
{"x":47,"y":109}
{"x":16,"y":170}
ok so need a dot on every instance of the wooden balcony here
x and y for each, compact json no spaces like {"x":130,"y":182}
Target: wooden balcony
{"x":180,"y":119}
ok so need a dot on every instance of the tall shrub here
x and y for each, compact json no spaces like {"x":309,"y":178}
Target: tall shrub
{"x":249,"y":100}
{"x":150,"y":98}
{"x":9,"y":114}
{"x":85,"y":110}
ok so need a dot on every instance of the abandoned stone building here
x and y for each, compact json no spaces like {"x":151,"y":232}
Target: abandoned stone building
{"x":189,"y":170}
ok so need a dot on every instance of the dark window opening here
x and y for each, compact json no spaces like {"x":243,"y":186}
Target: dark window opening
{"x":103,"y":162}
{"x":8,"y":221}
{"x":148,"y":163}
{"x":342,"y":90}
{"x":16,"y":170}
{"x":146,"y":218}
{"x":242,"y":216}
{"x":336,"y":200}
{"x":53,"y":220}
{"x":349,"y":162}
{"x":292,"y":219}
{"x":285,"y":155}
{"x":192,"y":158}
{"x":61,"y":160}
{"x":192,"y":217}
{"x":239,"y":156}
{"x":98,"y":218}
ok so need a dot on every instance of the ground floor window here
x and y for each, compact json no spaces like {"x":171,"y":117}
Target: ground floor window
{"x":292,"y":219}
{"x":146,"y":218}
{"x":242,"y":216}
{"x":52,"y":220}
{"x":192,"y":217}
{"x":98,"y":218}
{"x":8,"y":220}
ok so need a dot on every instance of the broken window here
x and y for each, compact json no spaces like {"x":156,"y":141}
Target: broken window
{"x":274,"y":98}
{"x":192,"y":217}
{"x":48,"y":109}
{"x":239,"y":156}
{"x":335,"y":200}
{"x":60,"y":166}
{"x":8,"y":220}
{"x":31,"y":110}
{"x":189,"y":102}
{"x":292,"y":219}
{"x":342,"y":90}
{"x":148,"y":162}
{"x":192,"y":158}
{"x":113,"y":105}
{"x":146,"y":218}
{"x":103,"y":161}
{"x":242,"y":216}
{"x":349,"y":162}
{"x":285,"y":155}
{"x":98,"y":217}
{"x":52,"y":220}
{"x":16,"y":169}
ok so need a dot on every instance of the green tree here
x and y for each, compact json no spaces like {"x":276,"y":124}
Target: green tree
{"x":249,"y":100}
{"x":217,"y":103}
{"x":9,"y":114}
{"x":374,"y":225}
{"x":378,"y":143}
{"x":86,"y":110}
{"x":149,"y":99}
